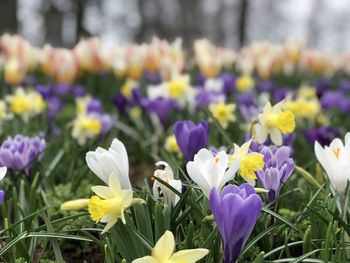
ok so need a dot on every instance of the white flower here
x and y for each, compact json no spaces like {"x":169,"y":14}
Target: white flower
{"x":209,"y":171}
{"x":335,"y":159}
{"x":3,"y":171}
{"x":103,"y":163}
{"x":160,"y":191}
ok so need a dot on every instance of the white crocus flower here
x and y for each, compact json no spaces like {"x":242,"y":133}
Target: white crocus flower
{"x":103,"y":163}
{"x":160,"y":191}
{"x":209,"y":171}
{"x":335,"y":160}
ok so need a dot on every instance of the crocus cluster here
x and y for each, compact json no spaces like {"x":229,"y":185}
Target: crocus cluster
{"x":277,"y":169}
{"x":236,"y":211}
{"x":20,"y":152}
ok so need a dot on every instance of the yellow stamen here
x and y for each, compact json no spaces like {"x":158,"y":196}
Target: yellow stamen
{"x":336,"y":152}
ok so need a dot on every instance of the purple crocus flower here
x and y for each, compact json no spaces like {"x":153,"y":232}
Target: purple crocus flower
{"x":162,"y":107}
{"x":324,"y":135}
{"x":330,"y":99}
{"x":229,"y":82}
{"x":94,"y":105}
{"x":205,"y":97}
{"x":236,"y":211}
{"x":191,"y":137}
{"x":278,"y":167}
{"x":19,"y":153}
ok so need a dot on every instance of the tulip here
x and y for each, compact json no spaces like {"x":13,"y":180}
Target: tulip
{"x":235,"y":211}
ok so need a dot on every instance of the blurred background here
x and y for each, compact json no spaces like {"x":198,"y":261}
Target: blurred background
{"x":230,"y":23}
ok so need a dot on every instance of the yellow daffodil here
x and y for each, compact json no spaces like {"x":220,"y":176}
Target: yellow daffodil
{"x":26,"y":103}
{"x":86,"y":127}
{"x":114,"y":202}
{"x":245,"y":83}
{"x":274,"y":121}
{"x":223,"y":113}
{"x":304,"y":108}
{"x":171,"y":144}
{"x":178,"y":86}
{"x":163,"y":252}
{"x":251,"y":162}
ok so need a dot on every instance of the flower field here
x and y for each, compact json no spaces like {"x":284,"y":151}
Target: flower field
{"x":151,"y":153}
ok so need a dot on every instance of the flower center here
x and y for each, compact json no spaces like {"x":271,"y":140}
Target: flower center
{"x":176,"y":88}
{"x":99,"y":208}
{"x":336,"y":152}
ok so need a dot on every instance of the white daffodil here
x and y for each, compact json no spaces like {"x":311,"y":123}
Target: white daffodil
{"x":335,"y":160}
{"x":163,"y":252}
{"x":274,"y":121}
{"x":103,"y":163}
{"x":160,"y":191}
{"x":209,"y":171}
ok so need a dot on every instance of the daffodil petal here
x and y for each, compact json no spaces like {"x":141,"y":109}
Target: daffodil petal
{"x":146,"y":259}
{"x":165,"y":247}
{"x":189,"y":255}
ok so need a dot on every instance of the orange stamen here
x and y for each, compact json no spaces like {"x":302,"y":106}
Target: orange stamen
{"x":336,"y":152}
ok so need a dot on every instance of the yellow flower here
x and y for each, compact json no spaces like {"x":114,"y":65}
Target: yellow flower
{"x":307,"y":92}
{"x":171,"y":144}
{"x":245,"y":83}
{"x":223,"y":112}
{"x":114,"y":202}
{"x":178,"y":86}
{"x":135,"y":112}
{"x":26,"y":103}
{"x":127,"y":88}
{"x":251,"y":162}
{"x":274,"y":121}
{"x":163,"y":252}
{"x":304,"y":108}
{"x":81,"y":104}
{"x":75,"y":204}
{"x":86,"y":127}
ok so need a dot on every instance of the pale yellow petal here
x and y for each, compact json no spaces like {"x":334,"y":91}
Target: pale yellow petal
{"x":114,"y":184}
{"x":189,"y":255}
{"x":147,"y":259}
{"x":110,"y":224}
{"x":103,"y":191}
{"x":164,"y":247}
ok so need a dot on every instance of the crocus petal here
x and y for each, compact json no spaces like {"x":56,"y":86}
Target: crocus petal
{"x":196,"y":175}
